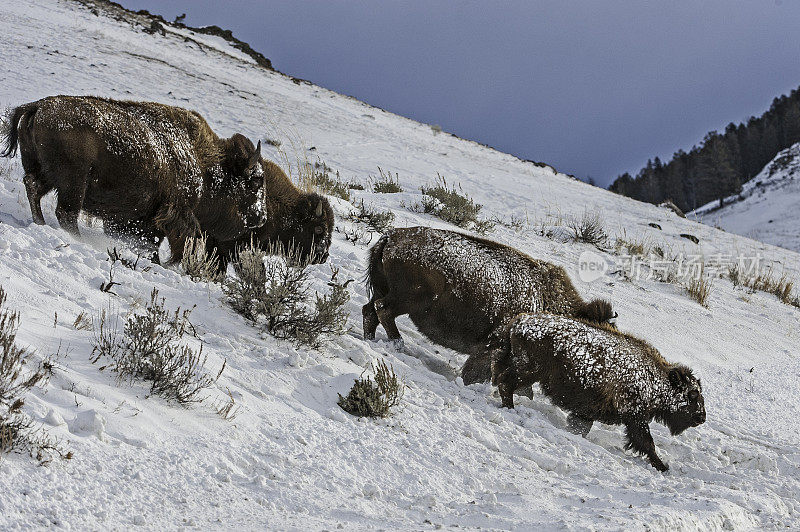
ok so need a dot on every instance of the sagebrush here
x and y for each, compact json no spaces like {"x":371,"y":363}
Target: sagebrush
{"x":198,"y":264}
{"x":272,"y":291}
{"x":386,"y":184}
{"x":149,"y":349}
{"x":374,"y":399}
{"x":18,"y":374}
{"x":452,"y":206}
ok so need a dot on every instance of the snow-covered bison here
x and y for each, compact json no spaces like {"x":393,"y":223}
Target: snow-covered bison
{"x":148,"y":170}
{"x":598,"y":374}
{"x":297,"y":222}
{"x":460,"y":290}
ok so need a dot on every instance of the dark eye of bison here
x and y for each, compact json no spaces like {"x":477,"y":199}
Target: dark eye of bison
{"x":318,"y":230}
{"x":693,"y":395}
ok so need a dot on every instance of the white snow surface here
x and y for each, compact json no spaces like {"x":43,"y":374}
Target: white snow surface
{"x":767,"y":209}
{"x":292,"y":460}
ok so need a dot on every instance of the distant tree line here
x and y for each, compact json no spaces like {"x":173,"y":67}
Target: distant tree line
{"x":721,"y":163}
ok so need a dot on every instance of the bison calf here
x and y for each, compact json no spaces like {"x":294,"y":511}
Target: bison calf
{"x":460,"y":289}
{"x":597,"y":373}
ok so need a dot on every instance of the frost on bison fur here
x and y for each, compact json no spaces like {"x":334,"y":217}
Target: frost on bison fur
{"x":148,"y":170}
{"x":297,"y":222}
{"x":460,"y":289}
{"x":598,"y":374}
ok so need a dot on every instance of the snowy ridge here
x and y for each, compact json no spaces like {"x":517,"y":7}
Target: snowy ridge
{"x":292,"y":459}
{"x":768,"y":206}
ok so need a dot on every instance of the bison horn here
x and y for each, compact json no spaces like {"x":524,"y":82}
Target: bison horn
{"x":318,"y":212}
{"x":258,"y":148}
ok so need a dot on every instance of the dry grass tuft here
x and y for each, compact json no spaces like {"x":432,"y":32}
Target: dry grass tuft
{"x":699,"y":287}
{"x":588,"y":229}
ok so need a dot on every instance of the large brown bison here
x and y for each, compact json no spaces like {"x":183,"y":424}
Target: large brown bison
{"x":297,"y":222}
{"x":148,"y":170}
{"x":598,"y":374}
{"x":459,"y":290}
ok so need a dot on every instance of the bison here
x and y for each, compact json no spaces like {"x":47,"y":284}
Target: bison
{"x":298,"y":223}
{"x":459,"y":290}
{"x":597,"y":373}
{"x":148,"y":170}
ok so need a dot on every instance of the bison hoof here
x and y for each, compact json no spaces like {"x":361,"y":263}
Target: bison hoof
{"x":370,"y":337}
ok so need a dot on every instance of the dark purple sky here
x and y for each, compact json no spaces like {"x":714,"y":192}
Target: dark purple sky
{"x":593,"y":88}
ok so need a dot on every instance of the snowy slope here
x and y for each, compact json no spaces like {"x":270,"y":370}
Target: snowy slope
{"x":768,"y":209}
{"x":292,"y":459}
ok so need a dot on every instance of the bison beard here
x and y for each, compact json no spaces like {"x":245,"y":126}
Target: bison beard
{"x":148,"y":170}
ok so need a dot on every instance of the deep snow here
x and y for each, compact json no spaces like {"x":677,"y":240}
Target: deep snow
{"x":292,"y":459}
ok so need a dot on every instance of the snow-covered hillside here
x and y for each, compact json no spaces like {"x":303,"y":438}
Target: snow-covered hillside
{"x":450,"y":456}
{"x":768,"y":209}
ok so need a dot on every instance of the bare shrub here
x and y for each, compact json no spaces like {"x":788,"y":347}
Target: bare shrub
{"x":454,"y":207}
{"x":148,"y":349}
{"x":273,"y":142}
{"x":374,"y":399}
{"x":588,"y":229}
{"x":386,"y":184}
{"x":198,"y":264}
{"x":17,"y":430}
{"x":380,"y":221}
{"x":272,"y":291}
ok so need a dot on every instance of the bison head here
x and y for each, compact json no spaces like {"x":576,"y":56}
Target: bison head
{"x":687,"y":407}
{"x":308,"y":229}
{"x":239,"y":196}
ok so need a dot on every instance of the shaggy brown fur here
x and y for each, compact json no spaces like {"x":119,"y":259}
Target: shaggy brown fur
{"x":459,"y":289}
{"x":149,"y":170}
{"x":598,"y":373}
{"x":296,"y":221}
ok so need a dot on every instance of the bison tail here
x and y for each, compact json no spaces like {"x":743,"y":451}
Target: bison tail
{"x":597,"y":311}
{"x":10,"y":130}
{"x":375,"y":279}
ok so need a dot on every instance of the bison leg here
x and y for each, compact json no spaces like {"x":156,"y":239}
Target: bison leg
{"x":386,"y":311}
{"x":371,"y":320}
{"x":477,"y":368}
{"x":179,"y":225}
{"x":506,"y":389}
{"x":641,"y":441}
{"x":35,"y":190}
{"x":71,"y":192}
{"x":578,"y":424}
